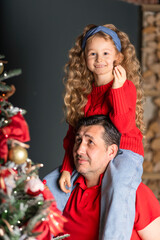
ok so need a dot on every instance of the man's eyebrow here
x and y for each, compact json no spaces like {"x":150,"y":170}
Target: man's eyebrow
{"x":77,"y":134}
{"x":86,"y":135}
{"x":89,"y":136}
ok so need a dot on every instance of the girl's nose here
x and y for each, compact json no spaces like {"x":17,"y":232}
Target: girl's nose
{"x":99,"y":58}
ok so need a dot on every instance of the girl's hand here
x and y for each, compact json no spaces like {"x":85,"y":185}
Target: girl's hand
{"x":65,"y":180}
{"x":119,"y":76}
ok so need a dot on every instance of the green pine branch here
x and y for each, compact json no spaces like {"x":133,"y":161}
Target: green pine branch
{"x":2,"y":56}
{"x":61,"y":237}
{"x":11,"y":73}
{"x":4,"y":88}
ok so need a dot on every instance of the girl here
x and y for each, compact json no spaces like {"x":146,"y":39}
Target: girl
{"x":103,"y":77}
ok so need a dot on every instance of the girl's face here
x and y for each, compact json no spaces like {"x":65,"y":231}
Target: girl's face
{"x":100,"y":56}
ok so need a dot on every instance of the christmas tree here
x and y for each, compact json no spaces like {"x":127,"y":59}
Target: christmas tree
{"x":27,"y":208}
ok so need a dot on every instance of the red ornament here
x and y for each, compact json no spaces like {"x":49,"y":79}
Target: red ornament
{"x":54,"y":221}
{"x":55,"y":218}
{"x":17,"y":129}
{"x":33,"y":193}
{"x":44,"y":181}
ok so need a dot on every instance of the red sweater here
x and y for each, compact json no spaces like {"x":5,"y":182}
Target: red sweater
{"x":120,"y":104}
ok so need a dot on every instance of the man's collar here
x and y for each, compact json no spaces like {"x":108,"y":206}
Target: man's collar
{"x":82,"y":183}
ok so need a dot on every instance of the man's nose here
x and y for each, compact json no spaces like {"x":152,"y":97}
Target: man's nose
{"x":81,"y":148}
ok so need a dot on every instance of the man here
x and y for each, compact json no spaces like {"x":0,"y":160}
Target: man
{"x":96,"y":144}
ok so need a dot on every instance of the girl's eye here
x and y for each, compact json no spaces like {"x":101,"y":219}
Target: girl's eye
{"x":105,"y":53}
{"x":93,"y":54}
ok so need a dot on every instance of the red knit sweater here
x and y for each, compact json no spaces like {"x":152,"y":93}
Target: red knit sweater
{"x":120,"y":104}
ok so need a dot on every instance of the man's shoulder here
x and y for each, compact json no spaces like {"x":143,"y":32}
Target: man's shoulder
{"x":52,"y":175}
{"x":146,"y":202}
{"x":147,"y":207}
{"x":52,"y":181}
{"x":143,"y":191}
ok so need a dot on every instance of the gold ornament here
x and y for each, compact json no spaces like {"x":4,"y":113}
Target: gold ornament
{"x":18,"y":155}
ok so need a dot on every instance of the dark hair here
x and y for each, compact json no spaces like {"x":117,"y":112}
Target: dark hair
{"x":111,"y":134}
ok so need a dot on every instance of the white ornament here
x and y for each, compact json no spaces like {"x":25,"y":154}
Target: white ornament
{"x":34,"y":185}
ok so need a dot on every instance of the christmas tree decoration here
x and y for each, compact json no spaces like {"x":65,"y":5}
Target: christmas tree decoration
{"x":18,"y":155}
{"x":28,"y":210}
{"x":15,"y":128}
{"x":34,"y":187}
{"x":2,"y":62}
{"x":1,"y":67}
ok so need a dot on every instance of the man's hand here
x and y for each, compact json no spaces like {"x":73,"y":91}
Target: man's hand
{"x":119,"y":76}
{"x":65,"y":180}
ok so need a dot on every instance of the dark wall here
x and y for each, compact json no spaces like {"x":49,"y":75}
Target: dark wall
{"x":36,"y":36}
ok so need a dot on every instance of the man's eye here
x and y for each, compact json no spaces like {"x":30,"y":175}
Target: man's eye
{"x":90,"y":141}
{"x":78,"y":140}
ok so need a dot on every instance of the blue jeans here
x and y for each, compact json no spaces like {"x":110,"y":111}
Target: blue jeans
{"x":118,"y":194}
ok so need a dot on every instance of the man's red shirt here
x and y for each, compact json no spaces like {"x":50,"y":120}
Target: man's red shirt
{"x":83,"y":211}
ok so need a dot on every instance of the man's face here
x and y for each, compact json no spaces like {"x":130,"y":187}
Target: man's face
{"x":90,"y":151}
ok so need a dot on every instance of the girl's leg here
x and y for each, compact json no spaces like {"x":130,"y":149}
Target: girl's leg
{"x":118,"y":194}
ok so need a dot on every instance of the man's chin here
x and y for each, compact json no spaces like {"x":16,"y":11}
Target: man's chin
{"x":81,"y":169}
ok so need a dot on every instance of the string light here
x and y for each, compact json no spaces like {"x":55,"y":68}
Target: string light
{"x":6,"y":121}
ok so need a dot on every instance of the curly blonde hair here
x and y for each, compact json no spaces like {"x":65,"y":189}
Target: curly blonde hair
{"x":78,"y":79}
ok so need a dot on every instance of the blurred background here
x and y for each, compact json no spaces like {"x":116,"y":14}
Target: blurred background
{"x":36,"y":37}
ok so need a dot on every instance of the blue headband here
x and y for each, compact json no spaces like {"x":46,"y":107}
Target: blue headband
{"x":108,"y":31}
